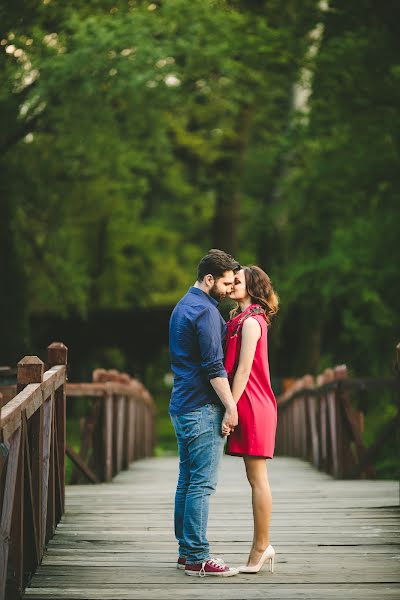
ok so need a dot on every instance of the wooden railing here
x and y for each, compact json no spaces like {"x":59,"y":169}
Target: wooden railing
{"x":118,"y":426}
{"x":32,"y":443}
{"x":117,"y":429}
{"x":318,"y":422}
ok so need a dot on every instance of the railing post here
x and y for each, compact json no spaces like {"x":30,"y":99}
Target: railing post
{"x":327,"y":417}
{"x":30,"y":370}
{"x":334,"y":429}
{"x":352,"y":427}
{"x":125,"y":424}
{"x":296,"y":426}
{"x":137,"y":428}
{"x":119,"y":420}
{"x":308,"y":383}
{"x":309,"y":426}
{"x":36,"y":452}
{"x":8,"y":502}
{"x":346,"y":460}
{"x":108,"y":437}
{"x":131,"y":428}
{"x":57,"y":354}
{"x":148,"y":429}
{"x":286,"y":441}
{"x":141,"y":421}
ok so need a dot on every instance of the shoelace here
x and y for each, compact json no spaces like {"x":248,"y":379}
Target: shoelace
{"x":214,"y":562}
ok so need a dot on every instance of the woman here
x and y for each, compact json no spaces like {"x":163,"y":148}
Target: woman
{"x":246,"y":362}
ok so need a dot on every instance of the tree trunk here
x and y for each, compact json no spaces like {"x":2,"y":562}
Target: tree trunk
{"x":226,"y":222}
{"x":14,"y":326}
{"x":228,"y":173}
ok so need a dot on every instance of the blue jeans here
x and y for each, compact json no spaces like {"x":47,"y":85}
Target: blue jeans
{"x":200,"y":445}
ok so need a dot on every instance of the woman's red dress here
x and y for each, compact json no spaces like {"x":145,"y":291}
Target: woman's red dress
{"x":255,"y":433}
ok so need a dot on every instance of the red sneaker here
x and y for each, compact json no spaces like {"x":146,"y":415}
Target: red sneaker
{"x":181,"y":563}
{"x":212,"y":566}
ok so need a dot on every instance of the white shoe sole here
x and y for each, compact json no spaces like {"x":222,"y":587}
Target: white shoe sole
{"x":224,"y":574}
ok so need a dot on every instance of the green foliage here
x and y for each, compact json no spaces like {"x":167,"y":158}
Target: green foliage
{"x":136,"y":135}
{"x":342,"y":193}
{"x":158,"y":379}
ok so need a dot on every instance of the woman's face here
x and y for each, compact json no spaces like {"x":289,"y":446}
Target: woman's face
{"x":239,"y":291}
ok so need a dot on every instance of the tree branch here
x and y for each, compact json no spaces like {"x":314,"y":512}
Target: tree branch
{"x":18,"y":135}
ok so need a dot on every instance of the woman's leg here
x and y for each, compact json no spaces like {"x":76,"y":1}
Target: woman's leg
{"x":256,"y":470}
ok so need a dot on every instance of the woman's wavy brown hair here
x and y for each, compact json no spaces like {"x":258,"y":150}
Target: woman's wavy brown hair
{"x":259,"y":288}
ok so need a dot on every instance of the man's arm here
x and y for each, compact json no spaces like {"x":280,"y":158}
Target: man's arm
{"x":208,"y":328}
{"x":221,"y":386}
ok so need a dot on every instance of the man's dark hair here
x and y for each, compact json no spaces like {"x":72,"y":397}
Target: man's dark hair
{"x":215,"y":263}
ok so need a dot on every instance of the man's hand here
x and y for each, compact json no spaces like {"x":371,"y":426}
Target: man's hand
{"x":229,"y":421}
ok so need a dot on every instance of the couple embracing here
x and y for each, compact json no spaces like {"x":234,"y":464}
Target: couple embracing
{"x":222,"y":390}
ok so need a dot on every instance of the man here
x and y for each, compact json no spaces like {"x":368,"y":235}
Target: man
{"x":200,"y":393}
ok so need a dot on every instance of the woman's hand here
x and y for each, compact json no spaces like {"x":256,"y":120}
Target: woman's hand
{"x":226,"y":429}
{"x":230,"y":419}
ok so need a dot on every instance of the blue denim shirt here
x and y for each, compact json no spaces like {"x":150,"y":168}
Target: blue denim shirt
{"x":196,"y":335}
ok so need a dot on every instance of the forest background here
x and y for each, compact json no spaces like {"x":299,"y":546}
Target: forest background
{"x":134,"y":136}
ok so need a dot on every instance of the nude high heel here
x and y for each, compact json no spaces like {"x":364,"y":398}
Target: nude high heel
{"x":268,"y":554}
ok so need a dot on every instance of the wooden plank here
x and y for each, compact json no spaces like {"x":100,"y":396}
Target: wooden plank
{"x":31,"y":537}
{"x":7,"y":506}
{"x":333,"y":538}
{"x":369,"y":454}
{"x":333,"y":432}
{"x":126,"y":553}
{"x":59,"y":475}
{"x":243,"y":589}
{"x":107,"y":438}
{"x":17,"y":523}
{"x":323,"y":434}
{"x":89,"y":440}
{"x":130,"y":422}
{"x":78,"y":462}
{"x":110,"y":387}
{"x":47,"y":420}
{"x":7,"y":392}
{"x":212,"y":592}
{"x":85,"y":389}
{"x":30,"y":370}
{"x":29,"y":399}
{"x":61,"y":431}
{"x":312,"y":416}
{"x":139,"y":430}
{"x":57,"y":354}
{"x":36,"y":443}
{"x":51,"y":484}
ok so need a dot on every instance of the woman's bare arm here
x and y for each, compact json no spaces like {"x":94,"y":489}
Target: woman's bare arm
{"x":251,"y":333}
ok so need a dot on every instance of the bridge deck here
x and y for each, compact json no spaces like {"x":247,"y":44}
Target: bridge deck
{"x":332,"y":538}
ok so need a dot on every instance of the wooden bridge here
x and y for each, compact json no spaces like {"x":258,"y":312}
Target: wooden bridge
{"x":114,"y":540}
{"x":333,"y":538}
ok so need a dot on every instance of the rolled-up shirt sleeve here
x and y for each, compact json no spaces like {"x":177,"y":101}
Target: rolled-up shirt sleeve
{"x":208,"y":329}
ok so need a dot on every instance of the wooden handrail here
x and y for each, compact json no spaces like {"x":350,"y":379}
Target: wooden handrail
{"x":317,"y":422}
{"x":118,"y":428}
{"x":32,"y":492}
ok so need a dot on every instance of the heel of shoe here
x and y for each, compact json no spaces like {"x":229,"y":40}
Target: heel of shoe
{"x":269,"y":555}
{"x":271,"y":564}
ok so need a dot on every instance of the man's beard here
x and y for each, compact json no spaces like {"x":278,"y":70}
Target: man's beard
{"x":217,"y":295}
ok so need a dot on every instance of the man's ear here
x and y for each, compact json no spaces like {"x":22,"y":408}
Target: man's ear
{"x":209,"y":280}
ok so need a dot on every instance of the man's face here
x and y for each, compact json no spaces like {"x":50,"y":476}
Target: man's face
{"x":222,"y":286}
